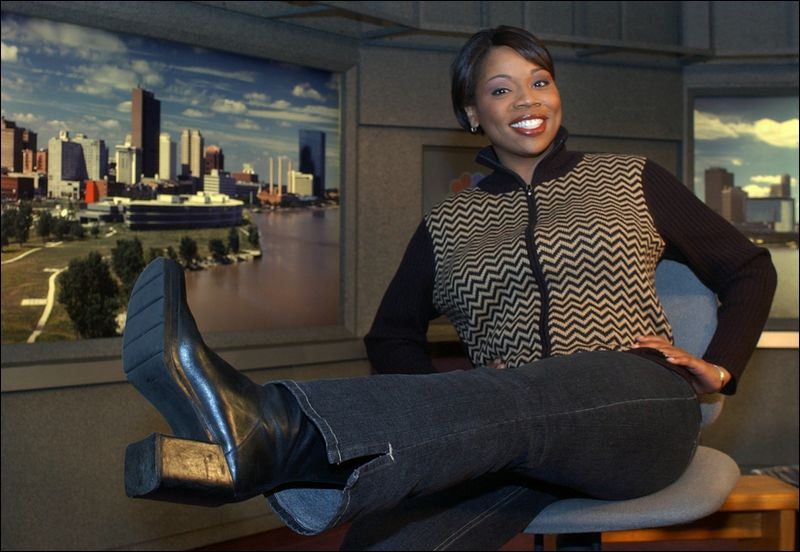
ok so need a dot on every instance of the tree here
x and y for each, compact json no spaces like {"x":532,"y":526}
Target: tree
{"x":218,"y":250}
{"x":233,"y":240}
{"x":188,"y":250}
{"x":153,"y":253}
{"x":60,"y":227}
{"x":8,"y":226}
{"x":90,"y":296}
{"x":171,"y":253}
{"x":76,"y":230}
{"x":128,"y":262}
{"x":44,"y":225}
{"x":24,"y":222}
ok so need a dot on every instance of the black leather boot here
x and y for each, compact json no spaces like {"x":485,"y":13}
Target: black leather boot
{"x":233,"y":439}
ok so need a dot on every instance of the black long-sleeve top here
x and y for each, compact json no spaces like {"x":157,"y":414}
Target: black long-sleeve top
{"x":514,"y":286}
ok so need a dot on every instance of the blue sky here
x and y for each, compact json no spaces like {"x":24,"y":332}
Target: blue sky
{"x":755,"y":138}
{"x":57,"y":76}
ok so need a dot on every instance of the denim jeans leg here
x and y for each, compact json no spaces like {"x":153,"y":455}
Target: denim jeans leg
{"x":479,"y":514}
{"x":608,"y":424}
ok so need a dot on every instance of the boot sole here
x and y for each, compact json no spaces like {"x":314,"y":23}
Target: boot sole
{"x":166,"y":468}
{"x":188,"y":468}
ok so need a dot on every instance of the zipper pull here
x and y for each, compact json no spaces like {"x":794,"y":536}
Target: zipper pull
{"x":528,"y":189}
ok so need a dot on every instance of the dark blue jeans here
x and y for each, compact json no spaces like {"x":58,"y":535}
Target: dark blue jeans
{"x":465,"y":460}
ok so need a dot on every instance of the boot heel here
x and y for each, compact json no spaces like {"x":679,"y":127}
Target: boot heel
{"x":162,"y":467}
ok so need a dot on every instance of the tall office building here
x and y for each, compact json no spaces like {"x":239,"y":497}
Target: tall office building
{"x":41,"y":161}
{"x":312,"y":158}
{"x":214,"y":159}
{"x":783,"y":189}
{"x":186,"y":152}
{"x":192,"y":160}
{"x":197,"y":162}
{"x":129,"y":164}
{"x":717,"y":179}
{"x":146,"y":128}
{"x":734,"y":202}
{"x":66,"y":168}
{"x":95,"y":155}
{"x":166,"y":157}
{"x":11,"y":145}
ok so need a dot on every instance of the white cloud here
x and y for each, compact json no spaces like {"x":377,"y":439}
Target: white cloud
{"x":779,"y":134}
{"x":257,"y":99}
{"x":124,"y":107}
{"x":766,"y":179}
{"x":55,"y":38}
{"x":101,"y":80}
{"x":247,"y":124}
{"x":244,"y":76}
{"x":279,"y":104}
{"x":25,"y":118}
{"x":195,"y":114}
{"x":286,"y":124}
{"x":110,"y":124}
{"x":228,"y":106}
{"x":737,"y":162}
{"x":8,"y":53}
{"x":304,"y":90}
{"x":754,"y":190}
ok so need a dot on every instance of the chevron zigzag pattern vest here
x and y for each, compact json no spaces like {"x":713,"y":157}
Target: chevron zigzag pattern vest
{"x":592,"y":287}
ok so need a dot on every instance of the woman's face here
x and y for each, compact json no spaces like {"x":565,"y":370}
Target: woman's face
{"x":518,"y":106}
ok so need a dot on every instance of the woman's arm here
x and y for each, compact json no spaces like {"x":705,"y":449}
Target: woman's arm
{"x":740,"y":273}
{"x":397,"y":342}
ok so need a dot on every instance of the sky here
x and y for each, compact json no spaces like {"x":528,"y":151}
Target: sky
{"x":755,"y":138}
{"x":57,"y":76}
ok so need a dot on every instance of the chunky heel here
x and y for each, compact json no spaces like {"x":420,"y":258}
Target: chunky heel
{"x":162,"y":467}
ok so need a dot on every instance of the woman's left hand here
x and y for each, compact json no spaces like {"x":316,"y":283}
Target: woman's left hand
{"x":705,"y":376}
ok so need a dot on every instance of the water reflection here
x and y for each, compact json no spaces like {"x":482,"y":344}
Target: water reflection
{"x":295,"y":283}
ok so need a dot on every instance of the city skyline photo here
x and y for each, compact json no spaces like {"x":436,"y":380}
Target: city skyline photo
{"x":57,"y":77}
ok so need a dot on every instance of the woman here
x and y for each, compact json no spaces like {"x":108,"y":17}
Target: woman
{"x":546,"y":271}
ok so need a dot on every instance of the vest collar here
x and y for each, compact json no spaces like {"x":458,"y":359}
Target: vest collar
{"x":556,"y":163}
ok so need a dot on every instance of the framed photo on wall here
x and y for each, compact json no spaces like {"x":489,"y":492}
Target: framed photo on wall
{"x":91,"y":115}
{"x":745,"y":167}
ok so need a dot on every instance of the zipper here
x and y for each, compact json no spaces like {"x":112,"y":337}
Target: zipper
{"x":538,"y":273}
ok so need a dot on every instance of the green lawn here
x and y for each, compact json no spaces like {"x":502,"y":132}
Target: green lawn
{"x":26,"y":278}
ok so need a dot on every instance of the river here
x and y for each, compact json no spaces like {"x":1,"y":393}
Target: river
{"x":294,"y":283}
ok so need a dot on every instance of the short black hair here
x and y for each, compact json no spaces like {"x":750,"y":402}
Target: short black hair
{"x":464,"y":69}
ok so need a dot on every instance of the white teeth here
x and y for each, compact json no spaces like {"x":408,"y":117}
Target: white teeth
{"x":528,"y":123}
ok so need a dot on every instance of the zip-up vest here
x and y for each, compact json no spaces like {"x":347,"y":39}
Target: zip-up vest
{"x":570,"y":268}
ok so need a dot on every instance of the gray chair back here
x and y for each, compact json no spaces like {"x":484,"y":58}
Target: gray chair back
{"x":691,"y":309}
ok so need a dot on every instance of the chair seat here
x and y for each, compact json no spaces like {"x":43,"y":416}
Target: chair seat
{"x":699,"y":492}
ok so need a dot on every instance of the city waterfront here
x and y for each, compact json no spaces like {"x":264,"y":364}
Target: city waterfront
{"x":295,"y":283}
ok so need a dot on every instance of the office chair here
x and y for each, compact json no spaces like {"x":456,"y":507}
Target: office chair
{"x":692,"y":310}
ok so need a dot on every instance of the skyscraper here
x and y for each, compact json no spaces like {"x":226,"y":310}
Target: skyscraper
{"x":66,"y":168}
{"x":166,"y":157}
{"x":197,"y":163}
{"x":146,"y":128}
{"x":192,"y":161}
{"x":214,"y":159}
{"x":312,"y":158}
{"x":11,"y":146}
{"x":95,"y":155}
{"x":717,"y":179}
{"x":783,"y":189}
